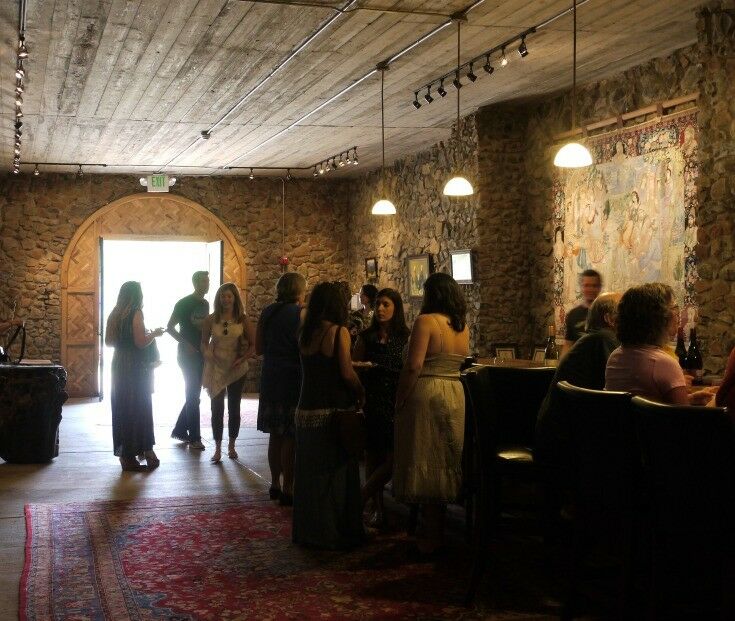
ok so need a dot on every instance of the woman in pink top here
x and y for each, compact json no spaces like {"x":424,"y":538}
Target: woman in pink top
{"x":647,"y":317}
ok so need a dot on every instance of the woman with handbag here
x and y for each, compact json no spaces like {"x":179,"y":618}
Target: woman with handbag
{"x":227,"y":343}
{"x":327,"y":505}
{"x":429,"y":423}
{"x":132,"y":380}
{"x":381,"y":345}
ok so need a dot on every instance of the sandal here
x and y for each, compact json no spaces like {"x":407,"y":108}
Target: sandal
{"x":130,"y":464}
{"x":152,"y":460}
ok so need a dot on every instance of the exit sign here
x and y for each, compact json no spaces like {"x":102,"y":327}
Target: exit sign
{"x":157,"y":183}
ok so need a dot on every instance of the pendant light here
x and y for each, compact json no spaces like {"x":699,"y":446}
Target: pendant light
{"x":573,"y":154}
{"x":458,"y":185}
{"x":383,"y":207}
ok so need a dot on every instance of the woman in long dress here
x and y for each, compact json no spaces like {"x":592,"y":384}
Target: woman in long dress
{"x":327,"y":505}
{"x":227,"y":343}
{"x":429,"y":423}
{"x":280,"y":380}
{"x":132,"y":380}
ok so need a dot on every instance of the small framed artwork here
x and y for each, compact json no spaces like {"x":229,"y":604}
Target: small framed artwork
{"x":371,"y":268}
{"x":461,"y":263}
{"x":419,"y":267}
{"x":539,"y":354}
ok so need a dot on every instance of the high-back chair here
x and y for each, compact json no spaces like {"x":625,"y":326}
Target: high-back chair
{"x":605,"y":467}
{"x":689,"y":467}
{"x":502,"y":403}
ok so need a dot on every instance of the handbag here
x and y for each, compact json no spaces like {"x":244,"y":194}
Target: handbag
{"x":5,"y":356}
{"x":351,"y":431}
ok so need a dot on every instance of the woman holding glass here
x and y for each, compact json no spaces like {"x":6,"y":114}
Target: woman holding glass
{"x":132,"y":380}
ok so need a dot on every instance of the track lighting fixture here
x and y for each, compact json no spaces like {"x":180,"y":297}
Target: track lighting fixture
{"x":80,"y":172}
{"x":468,"y":67}
{"x":19,"y":71}
{"x":354,"y":158}
{"x":22,"y":49}
{"x":341,"y":163}
{"x":522,"y":48}
{"x":17,"y":150}
{"x":18,"y":87}
{"x":252,"y":176}
{"x":18,"y":100}
{"x":16,"y":171}
{"x":289,"y":176}
{"x":315,"y":173}
{"x":18,"y":125}
{"x":321,"y":169}
{"x":18,"y":113}
{"x":36,"y":172}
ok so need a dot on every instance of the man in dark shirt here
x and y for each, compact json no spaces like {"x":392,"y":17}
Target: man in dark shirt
{"x":189,"y":314}
{"x":590,"y":283}
{"x":584,"y":366}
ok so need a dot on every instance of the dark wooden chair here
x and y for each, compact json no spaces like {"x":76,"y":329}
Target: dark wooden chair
{"x":689,"y":468}
{"x":502,"y":405}
{"x":605,"y":467}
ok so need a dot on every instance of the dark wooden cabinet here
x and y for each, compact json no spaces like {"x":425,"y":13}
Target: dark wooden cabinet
{"x":31,"y":397}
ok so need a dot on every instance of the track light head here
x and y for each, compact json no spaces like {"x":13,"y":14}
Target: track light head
{"x":522,"y":48}
{"x":17,"y":150}
{"x":18,"y":113}
{"x":471,"y":74}
{"x":315,"y":173}
{"x":18,"y":87}
{"x":19,"y":71}
{"x":18,"y":100}
{"x":80,"y":172}
{"x":289,"y":176}
{"x":416,"y":102}
{"x":441,"y":90}
{"x":487,"y":66}
{"x":36,"y":172}
{"x":428,"y":96}
{"x":22,"y":49}
{"x":251,"y":175}
{"x":457,"y":82}
{"x":18,"y":125}
{"x":16,"y":171}
{"x":504,"y":59}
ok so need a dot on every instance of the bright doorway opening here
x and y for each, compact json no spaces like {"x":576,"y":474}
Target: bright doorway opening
{"x":164,"y":270}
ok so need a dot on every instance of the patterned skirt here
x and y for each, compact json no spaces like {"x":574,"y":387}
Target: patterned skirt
{"x":276,"y":417}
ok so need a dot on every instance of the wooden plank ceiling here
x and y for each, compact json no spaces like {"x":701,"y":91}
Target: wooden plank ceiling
{"x":132,"y":83}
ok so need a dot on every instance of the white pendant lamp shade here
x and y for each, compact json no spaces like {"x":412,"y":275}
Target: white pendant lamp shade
{"x":383,"y":208}
{"x":573,"y":155}
{"x":458,"y":186}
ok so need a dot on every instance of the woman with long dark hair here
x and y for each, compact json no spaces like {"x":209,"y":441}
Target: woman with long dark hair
{"x":429,"y":423}
{"x":280,"y":380}
{"x":132,"y":380}
{"x":381,"y":344}
{"x":227,"y":343}
{"x":327,"y":506}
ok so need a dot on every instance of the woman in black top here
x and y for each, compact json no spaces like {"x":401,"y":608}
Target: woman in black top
{"x":327,"y":506}
{"x":280,"y":380}
{"x":382,"y":345}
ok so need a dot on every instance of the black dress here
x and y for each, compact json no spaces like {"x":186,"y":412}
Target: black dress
{"x":380,"y":384}
{"x":132,"y":385}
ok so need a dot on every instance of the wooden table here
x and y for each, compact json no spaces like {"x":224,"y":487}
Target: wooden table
{"x":517,"y":363}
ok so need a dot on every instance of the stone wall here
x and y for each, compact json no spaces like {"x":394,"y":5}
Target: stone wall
{"x":426,"y":222}
{"x":716,"y":215}
{"x":39,"y":215}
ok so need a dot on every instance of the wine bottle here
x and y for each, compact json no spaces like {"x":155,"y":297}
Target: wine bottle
{"x":694,"y":358}
{"x":681,"y":350}
{"x":551,"y":353}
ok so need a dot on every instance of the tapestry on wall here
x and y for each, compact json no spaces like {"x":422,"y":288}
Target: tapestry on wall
{"x":631,"y":216}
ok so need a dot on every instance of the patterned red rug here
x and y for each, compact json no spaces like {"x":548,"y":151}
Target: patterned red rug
{"x":218,"y":558}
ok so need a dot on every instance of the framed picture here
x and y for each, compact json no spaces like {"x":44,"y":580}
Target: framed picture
{"x":461,"y":263}
{"x":419,"y":267}
{"x":371,"y":268}
{"x":539,"y":353}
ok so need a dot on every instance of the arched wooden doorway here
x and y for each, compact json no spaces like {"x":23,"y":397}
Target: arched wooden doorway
{"x":138,"y":215}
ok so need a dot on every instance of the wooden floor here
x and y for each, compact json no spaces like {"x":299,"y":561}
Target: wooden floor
{"x":86,"y":469}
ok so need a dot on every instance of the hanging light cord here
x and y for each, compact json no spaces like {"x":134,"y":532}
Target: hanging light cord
{"x":382,"y":124}
{"x":574,"y":65}
{"x":459,"y":63}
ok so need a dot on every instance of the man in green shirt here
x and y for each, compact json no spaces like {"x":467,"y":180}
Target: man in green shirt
{"x":189,"y":314}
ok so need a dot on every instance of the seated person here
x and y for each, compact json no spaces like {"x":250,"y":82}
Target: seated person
{"x":648,"y":318}
{"x":584,"y":366}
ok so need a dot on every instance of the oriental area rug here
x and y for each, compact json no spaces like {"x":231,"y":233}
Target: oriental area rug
{"x":220,"y":558}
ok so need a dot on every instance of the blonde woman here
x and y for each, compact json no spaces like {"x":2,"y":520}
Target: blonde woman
{"x":228,"y":340}
{"x":132,"y":380}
